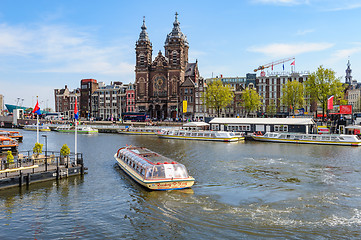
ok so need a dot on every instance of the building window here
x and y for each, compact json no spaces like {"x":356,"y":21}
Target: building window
{"x":281,"y":128}
{"x":174,"y":58}
{"x":141,"y":60}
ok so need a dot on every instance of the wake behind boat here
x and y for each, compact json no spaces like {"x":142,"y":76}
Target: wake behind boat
{"x":326,"y":139}
{"x":153,"y":170}
{"x":71,"y":129}
{"x":201,"y":135}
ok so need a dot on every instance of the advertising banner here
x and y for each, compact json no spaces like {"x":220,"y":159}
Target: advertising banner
{"x":184,"y":106}
{"x":345,"y":109}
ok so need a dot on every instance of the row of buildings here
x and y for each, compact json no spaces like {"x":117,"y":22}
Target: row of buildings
{"x":161,"y":85}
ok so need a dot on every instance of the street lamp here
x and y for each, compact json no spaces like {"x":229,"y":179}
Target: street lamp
{"x":46,"y":152}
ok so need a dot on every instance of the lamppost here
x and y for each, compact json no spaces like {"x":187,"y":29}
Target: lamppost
{"x":46,"y":152}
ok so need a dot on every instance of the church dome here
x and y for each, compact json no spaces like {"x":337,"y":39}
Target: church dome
{"x":176,"y":32}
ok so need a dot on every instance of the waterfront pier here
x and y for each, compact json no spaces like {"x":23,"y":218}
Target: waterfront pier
{"x":30,"y":168}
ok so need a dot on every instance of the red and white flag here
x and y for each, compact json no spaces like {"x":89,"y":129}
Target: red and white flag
{"x":330,"y":103}
{"x":293,"y":63}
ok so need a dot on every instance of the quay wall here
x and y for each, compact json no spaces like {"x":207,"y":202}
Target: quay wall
{"x":28,"y":178}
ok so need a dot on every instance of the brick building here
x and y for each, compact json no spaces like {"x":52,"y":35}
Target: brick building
{"x":65,"y":101}
{"x":87,"y":88}
{"x":130,"y":98}
{"x":158,"y":82}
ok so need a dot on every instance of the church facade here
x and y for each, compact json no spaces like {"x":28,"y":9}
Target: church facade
{"x":158,"y":81}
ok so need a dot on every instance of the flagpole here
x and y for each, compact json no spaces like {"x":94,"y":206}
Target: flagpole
{"x":76,"y":116}
{"x":37,"y":123}
{"x":76,"y":141}
{"x":37,"y":128}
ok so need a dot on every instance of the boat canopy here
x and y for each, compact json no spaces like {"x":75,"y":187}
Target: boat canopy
{"x":152,"y":165}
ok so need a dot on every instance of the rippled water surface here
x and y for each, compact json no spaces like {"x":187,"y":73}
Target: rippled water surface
{"x":243,"y":190}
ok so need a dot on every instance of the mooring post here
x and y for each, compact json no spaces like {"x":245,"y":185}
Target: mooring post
{"x":28,"y":179}
{"x":20,"y":179}
{"x":57,"y":169}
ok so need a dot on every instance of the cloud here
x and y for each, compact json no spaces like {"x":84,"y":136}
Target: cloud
{"x":283,"y":50}
{"x":345,"y":53}
{"x":55,"y":48}
{"x":304,"y":32}
{"x":344,"y":7}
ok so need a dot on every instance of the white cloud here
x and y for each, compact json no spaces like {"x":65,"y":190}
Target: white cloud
{"x":345,"y":53}
{"x":304,"y":32}
{"x":345,"y":7}
{"x":284,"y":50}
{"x":57,"y":48}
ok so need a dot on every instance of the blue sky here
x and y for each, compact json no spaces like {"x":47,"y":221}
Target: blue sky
{"x":49,"y":44}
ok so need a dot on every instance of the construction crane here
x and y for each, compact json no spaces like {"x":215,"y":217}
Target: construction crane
{"x":274,"y":63}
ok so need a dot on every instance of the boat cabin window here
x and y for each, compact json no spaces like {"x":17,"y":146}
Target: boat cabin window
{"x":163,"y":171}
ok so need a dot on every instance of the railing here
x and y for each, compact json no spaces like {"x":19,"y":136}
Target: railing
{"x":49,"y":161}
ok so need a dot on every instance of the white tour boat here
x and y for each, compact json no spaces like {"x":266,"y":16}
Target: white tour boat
{"x":328,"y":139}
{"x":221,"y":136}
{"x":140,"y":130}
{"x":42,"y":128}
{"x":71,"y":129}
{"x":153,"y":170}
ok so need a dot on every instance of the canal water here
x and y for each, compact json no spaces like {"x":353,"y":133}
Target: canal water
{"x":243,"y":190}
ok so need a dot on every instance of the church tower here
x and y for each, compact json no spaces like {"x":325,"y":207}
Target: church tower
{"x":176,"y":52}
{"x":176,"y":47}
{"x":348,"y":78}
{"x":143,"y":50}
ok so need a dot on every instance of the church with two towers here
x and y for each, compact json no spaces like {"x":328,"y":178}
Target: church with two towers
{"x":159,"y":82}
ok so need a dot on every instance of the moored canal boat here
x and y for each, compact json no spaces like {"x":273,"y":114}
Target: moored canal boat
{"x":153,"y":170}
{"x":71,"y":129}
{"x":12,"y":134}
{"x":139,"y":130}
{"x":42,"y":128}
{"x":221,"y":136}
{"x":325,"y":139}
{"x":8,"y":144}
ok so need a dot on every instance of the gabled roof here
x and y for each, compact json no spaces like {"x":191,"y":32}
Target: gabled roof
{"x":160,"y":61}
{"x":188,"y":83}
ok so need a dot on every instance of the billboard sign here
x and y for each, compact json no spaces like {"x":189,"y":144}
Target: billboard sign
{"x":345,"y":109}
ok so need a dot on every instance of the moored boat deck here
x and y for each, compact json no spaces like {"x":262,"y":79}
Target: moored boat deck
{"x":325,"y":139}
{"x":202,"y":135}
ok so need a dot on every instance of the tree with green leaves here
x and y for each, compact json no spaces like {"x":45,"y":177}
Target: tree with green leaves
{"x":38,"y":148}
{"x":9,"y":158}
{"x":65,"y":150}
{"x":271,"y":108}
{"x":293,"y":95}
{"x":217,"y":96}
{"x":250,"y":100}
{"x":322,"y":84}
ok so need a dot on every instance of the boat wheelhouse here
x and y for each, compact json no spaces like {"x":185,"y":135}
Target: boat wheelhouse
{"x":12,"y":134}
{"x":42,"y":128}
{"x":8,"y":144}
{"x":71,"y":129}
{"x":153,"y":170}
{"x":202,"y":135}
{"x":327,"y":139}
{"x":139,"y":130}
